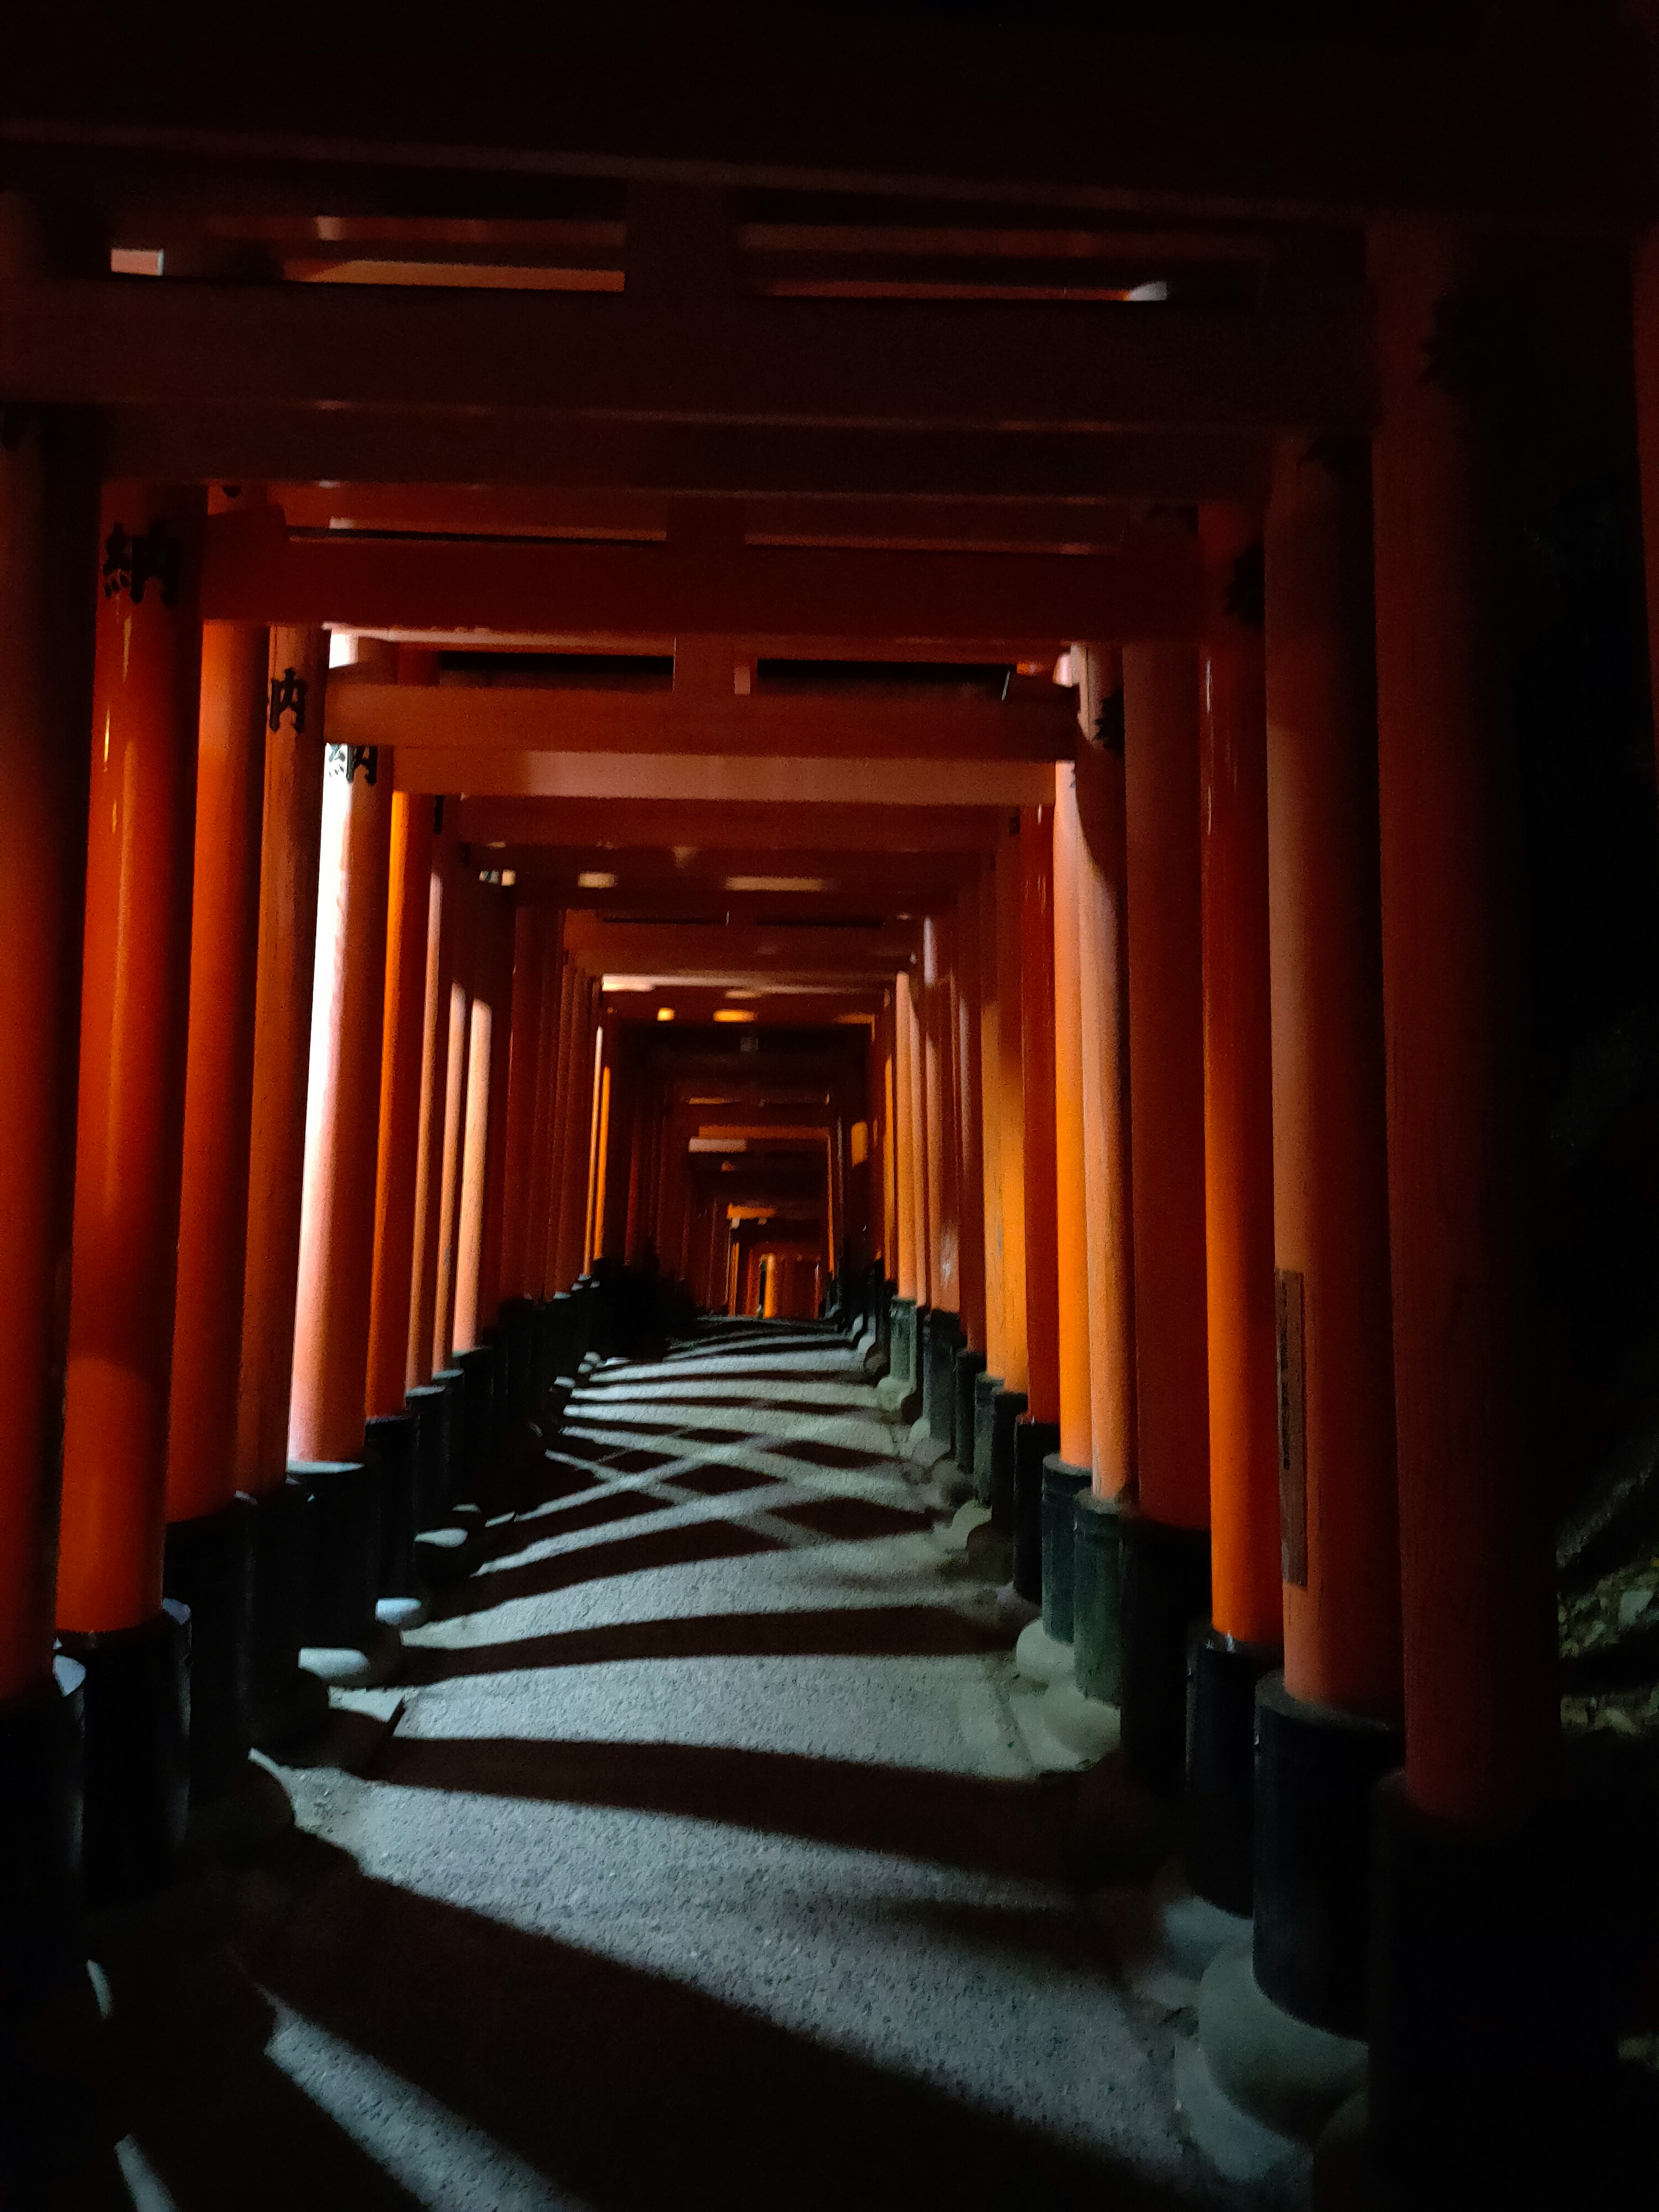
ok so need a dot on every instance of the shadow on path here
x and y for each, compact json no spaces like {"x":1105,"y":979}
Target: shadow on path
{"x":950,"y":1819}
{"x":872,"y":1632}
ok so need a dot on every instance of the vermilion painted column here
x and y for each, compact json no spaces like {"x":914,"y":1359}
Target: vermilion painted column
{"x":1103,"y":966}
{"x":403,"y":1042}
{"x":48,"y":533}
{"x":463,"y":888}
{"x":904,"y":1151}
{"x":573,"y":1130}
{"x":529,"y":968}
{"x":1166,"y":1544}
{"x":1323,"y":1735}
{"x":1075,"y":1411}
{"x":1038,"y":1061}
{"x":1009,"y":1224}
{"x":970,"y":1131}
{"x":1472,"y":2018}
{"x":544,"y":1230}
{"x":944,"y":1264}
{"x":435,"y":1084}
{"x":1243,"y":1643}
{"x":285,"y":1703}
{"x":343,"y":1114}
{"x":474,"y":1299}
{"x":499,"y":964}
{"x":129,"y":1151}
{"x":208,"y":1559}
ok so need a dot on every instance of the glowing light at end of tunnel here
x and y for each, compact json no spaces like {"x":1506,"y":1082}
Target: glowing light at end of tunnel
{"x":596,"y":879}
{"x":665,"y":1013}
{"x":780,"y":883}
{"x":735,"y":1014}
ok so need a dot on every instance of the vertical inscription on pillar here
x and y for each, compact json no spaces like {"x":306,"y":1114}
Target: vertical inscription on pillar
{"x":1292,"y":1431}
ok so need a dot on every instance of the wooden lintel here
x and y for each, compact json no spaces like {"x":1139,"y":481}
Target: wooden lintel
{"x":253,"y":571}
{"x":759,"y":728}
{"x":158,"y":341}
{"x":233,"y":441}
{"x":768,"y":826}
{"x":721,"y":779}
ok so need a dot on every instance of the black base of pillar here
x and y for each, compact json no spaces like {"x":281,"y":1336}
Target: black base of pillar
{"x":136,"y":1803}
{"x":939,"y":1399}
{"x":1493,"y":2073}
{"x":210,"y":1570}
{"x":1317,"y":1771}
{"x":394,"y":1440}
{"x":1096,"y":1597}
{"x":1035,"y":1442}
{"x":903,"y":1325}
{"x":1221,"y":1768}
{"x":431,"y":1404}
{"x":971,"y":1365}
{"x":286,"y":1705}
{"x":1007,"y":1411}
{"x":476,"y":1364}
{"x":42,"y":1731}
{"x":342,"y":1551}
{"x":519,"y":1335}
{"x":986,"y":1388}
{"x":457,"y":1466}
{"x":1061,"y":1484}
{"x":1166,"y":1595}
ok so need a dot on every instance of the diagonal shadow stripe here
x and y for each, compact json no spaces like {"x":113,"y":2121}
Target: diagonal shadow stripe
{"x":915,"y":1813}
{"x":866,"y":1631}
{"x":686,"y":1544}
{"x":636,"y":2092}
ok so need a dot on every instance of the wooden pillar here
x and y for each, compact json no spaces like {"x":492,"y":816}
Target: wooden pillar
{"x":904,"y":1150}
{"x":403,"y":1045}
{"x":574,"y":1130}
{"x":1037,"y":1062}
{"x":1009,"y":1222}
{"x":944,"y":1264}
{"x":545,"y":1229}
{"x":1238,"y":1153}
{"x":1166,"y":1082}
{"x":435,"y":1084}
{"x":1476,"y":1565}
{"x":1165,"y":1579}
{"x":474,"y":1297}
{"x":1072,"y":1217}
{"x":129,"y":1157}
{"x":990,"y":1096}
{"x":1340,"y":1514}
{"x":499,"y":976}
{"x":530,"y":969}
{"x":965,"y":1008}
{"x":342,"y":1113}
{"x":1102,"y":966}
{"x":135,"y":1008}
{"x":1480,"y":2030}
{"x":48,"y":523}
{"x":219,"y":1077}
{"x":290,"y":843}
{"x":464,"y":889}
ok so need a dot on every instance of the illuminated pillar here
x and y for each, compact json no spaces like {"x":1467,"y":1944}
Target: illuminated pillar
{"x":208,"y":1563}
{"x":435,"y":1084}
{"x":285,"y":1702}
{"x":48,"y":534}
{"x":129,"y":1151}
{"x":1038,"y":1434}
{"x":1165,"y":1536}
{"x":402,"y":1052}
{"x":1076,"y":1448}
{"x":463,"y":889}
{"x":326,"y":1414}
{"x":530,"y":973}
{"x":1474,"y":2019}
{"x":970,"y":1362}
{"x":1102,"y":937}
{"x":944,"y":1331}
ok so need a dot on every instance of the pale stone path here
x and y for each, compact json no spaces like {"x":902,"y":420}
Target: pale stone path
{"x":704,"y":1867}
